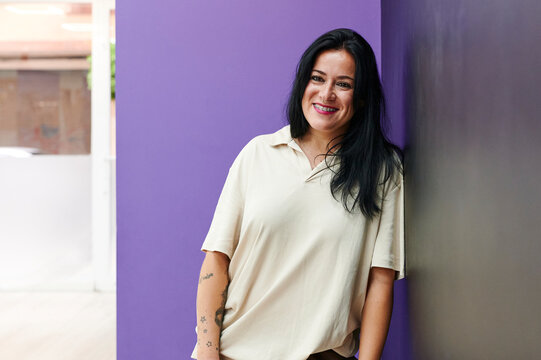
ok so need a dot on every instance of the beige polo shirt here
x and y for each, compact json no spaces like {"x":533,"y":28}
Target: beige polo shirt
{"x":299,"y":261}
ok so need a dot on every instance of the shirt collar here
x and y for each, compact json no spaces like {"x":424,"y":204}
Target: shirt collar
{"x":281,"y":137}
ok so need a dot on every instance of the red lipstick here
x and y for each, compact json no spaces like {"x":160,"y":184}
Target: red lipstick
{"x":323,"y":109}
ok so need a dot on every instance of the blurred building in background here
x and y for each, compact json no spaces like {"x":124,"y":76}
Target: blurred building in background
{"x":45,"y":100}
{"x":46,"y":211}
{"x":57,"y":180}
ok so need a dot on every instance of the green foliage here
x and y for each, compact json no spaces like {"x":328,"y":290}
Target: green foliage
{"x":113,"y":70}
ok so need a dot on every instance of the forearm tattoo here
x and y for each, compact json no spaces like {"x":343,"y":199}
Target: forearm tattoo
{"x":219,"y":318}
{"x":208,"y":276}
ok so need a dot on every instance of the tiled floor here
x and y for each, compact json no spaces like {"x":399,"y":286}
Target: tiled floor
{"x":57,"y":326}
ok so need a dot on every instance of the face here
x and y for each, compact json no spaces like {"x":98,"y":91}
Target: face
{"x":327,"y":102}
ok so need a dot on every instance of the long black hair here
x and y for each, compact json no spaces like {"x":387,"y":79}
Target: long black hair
{"x":364,"y":151}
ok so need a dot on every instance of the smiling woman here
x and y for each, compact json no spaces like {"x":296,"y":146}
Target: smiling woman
{"x":281,"y":246}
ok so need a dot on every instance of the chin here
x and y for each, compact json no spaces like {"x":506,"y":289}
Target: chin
{"x":323,"y":125}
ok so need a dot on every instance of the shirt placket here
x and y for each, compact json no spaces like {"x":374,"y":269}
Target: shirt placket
{"x":308,"y":172}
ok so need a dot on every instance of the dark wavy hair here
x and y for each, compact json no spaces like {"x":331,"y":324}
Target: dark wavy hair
{"x":364,"y":150}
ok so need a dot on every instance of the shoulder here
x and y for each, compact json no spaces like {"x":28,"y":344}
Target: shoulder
{"x":280,"y":136}
{"x":261,"y":144}
{"x":392,"y":172}
{"x":264,"y":141}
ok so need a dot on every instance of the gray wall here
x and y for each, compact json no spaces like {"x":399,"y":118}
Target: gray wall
{"x":465,"y":76}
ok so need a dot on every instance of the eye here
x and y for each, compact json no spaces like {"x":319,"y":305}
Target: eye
{"x":344,"y":85}
{"x":317,"y":78}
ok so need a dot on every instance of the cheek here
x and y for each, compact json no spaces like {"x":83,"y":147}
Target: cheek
{"x":308,"y":93}
{"x":348,"y":101}
{"x":306,"y":100}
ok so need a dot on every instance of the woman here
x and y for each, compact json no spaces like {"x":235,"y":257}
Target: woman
{"x":307,"y":238}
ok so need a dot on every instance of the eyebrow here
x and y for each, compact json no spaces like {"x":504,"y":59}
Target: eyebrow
{"x":339,"y":77}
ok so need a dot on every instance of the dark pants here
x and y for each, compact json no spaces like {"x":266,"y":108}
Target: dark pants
{"x":329,"y":355}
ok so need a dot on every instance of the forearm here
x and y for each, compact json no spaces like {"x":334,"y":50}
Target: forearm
{"x":211,"y":297}
{"x":376,"y":317}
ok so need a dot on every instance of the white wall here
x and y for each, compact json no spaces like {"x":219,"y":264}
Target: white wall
{"x":45,"y":220}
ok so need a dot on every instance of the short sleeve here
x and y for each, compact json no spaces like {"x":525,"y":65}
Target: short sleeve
{"x":223,"y":235}
{"x":389,"y":247}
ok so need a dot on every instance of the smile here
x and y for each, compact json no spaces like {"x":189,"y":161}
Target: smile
{"x":324,"y":109}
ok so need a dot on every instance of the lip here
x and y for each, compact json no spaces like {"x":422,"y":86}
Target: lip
{"x":324,"y":112}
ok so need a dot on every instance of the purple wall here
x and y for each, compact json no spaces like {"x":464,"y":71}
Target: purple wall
{"x":393,"y":38}
{"x":195,"y":81}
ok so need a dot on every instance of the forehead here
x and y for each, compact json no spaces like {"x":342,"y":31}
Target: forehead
{"x":335,"y":62}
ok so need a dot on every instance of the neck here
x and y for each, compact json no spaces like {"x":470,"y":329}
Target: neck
{"x":320,"y":141}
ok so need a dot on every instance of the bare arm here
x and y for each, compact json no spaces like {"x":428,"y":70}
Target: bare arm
{"x":211,"y":296}
{"x":376,"y":315}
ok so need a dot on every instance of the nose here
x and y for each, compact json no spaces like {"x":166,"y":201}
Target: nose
{"x":327,"y":92}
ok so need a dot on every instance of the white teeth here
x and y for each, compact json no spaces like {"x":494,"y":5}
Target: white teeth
{"x":323,"y":108}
